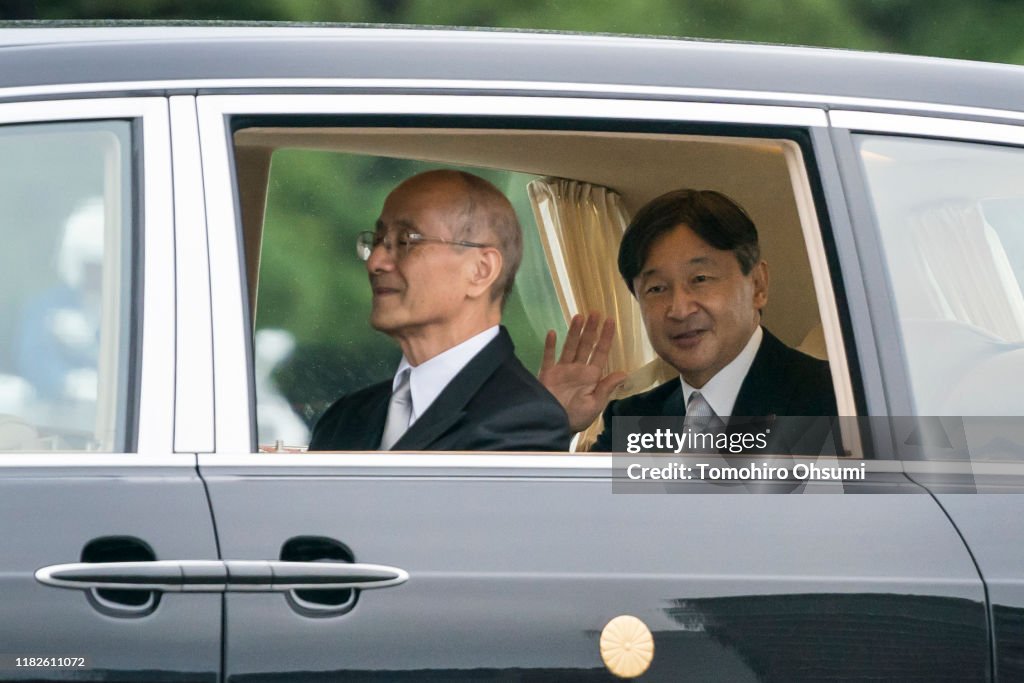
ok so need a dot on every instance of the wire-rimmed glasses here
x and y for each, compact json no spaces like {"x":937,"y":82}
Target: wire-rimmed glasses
{"x":401,"y":243}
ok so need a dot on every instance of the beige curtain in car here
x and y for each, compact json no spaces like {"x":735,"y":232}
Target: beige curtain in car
{"x":581,"y":226}
{"x":970,"y":274}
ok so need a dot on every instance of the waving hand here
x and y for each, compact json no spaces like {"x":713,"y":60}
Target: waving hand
{"x":577,"y":379}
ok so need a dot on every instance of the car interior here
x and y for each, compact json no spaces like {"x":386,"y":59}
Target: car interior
{"x":583,"y":187}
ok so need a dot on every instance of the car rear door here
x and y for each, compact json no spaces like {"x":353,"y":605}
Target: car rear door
{"x":497,"y":566}
{"x":92,"y":488}
{"x":941,"y":200}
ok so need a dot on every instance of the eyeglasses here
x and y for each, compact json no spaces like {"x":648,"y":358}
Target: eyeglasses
{"x":401,"y":243}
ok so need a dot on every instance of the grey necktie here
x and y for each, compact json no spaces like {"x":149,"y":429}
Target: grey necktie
{"x":399,"y":412}
{"x":701,"y":419}
{"x":699,"y":413}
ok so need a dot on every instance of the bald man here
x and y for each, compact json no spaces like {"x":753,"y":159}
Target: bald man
{"x":441,"y":263}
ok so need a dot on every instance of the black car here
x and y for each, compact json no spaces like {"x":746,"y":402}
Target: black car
{"x":180,"y":302}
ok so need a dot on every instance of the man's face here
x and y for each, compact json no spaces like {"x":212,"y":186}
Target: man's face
{"x":698,"y":307}
{"x":419,"y":290}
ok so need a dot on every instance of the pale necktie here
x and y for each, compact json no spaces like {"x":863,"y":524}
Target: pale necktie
{"x":399,"y":412}
{"x":699,"y":413}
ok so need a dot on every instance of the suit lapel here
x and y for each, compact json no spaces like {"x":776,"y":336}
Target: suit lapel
{"x":673,"y":404}
{"x":372,"y":414}
{"x":450,"y":405}
{"x":664,"y":400}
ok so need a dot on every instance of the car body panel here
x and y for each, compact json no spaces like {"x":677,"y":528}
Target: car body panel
{"x":52,"y":507}
{"x":515,"y":573}
{"x":57,"y":56}
{"x":983,"y":500}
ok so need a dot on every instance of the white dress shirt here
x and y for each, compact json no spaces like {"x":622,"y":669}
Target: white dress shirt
{"x":721,"y":390}
{"x":428,"y":379}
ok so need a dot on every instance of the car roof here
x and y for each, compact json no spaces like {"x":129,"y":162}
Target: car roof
{"x":210,"y":53}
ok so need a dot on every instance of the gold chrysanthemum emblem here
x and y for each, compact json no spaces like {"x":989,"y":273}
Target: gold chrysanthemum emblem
{"x":627,"y":646}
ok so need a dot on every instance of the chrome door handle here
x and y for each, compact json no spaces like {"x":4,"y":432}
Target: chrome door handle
{"x":290,"y":576}
{"x":155,"y":575}
{"x":211,"y":576}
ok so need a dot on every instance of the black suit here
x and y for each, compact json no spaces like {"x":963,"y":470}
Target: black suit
{"x":781,"y":381}
{"x":493,"y":404}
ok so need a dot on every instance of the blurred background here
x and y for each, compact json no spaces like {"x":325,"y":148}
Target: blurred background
{"x":987,"y":30}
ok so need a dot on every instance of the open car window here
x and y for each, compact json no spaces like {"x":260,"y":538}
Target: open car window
{"x":306,"y":192}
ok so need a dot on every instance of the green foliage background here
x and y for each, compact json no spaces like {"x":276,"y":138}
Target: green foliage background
{"x":979,"y":29}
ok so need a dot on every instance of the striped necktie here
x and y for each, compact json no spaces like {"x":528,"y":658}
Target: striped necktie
{"x":699,"y":413}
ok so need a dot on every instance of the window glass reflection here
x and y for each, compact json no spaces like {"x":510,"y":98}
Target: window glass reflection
{"x":950,"y":217}
{"x":63,"y":300}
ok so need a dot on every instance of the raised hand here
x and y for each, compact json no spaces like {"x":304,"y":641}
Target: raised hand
{"x":578,"y":378}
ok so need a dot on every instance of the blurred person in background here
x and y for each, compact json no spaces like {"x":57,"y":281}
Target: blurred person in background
{"x":59,"y":331}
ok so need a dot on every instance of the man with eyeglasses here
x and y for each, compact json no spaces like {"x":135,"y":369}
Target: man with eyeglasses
{"x":441,"y":263}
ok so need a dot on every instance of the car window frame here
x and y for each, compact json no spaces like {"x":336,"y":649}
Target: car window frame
{"x":236,"y":427}
{"x":194,"y":410}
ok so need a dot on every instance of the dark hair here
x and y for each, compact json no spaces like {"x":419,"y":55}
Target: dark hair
{"x":715,"y":218}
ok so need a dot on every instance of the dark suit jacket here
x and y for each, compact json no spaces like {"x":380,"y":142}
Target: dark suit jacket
{"x":781,"y":381}
{"x":493,"y":404}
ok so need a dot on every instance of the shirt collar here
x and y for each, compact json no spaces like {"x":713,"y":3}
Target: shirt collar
{"x":721,"y":390}
{"x":428,"y":379}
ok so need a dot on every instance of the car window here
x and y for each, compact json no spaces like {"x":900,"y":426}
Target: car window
{"x":312,"y":342}
{"x":65,"y":190}
{"x":951,"y":223}
{"x":305,"y":192}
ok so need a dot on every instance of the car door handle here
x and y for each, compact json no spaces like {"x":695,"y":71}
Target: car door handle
{"x":324,"y":574}
{"x":211,"y":576}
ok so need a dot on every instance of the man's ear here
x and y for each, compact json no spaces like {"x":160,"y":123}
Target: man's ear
{"x":759,"y":274}
{"x":484,"y":270}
